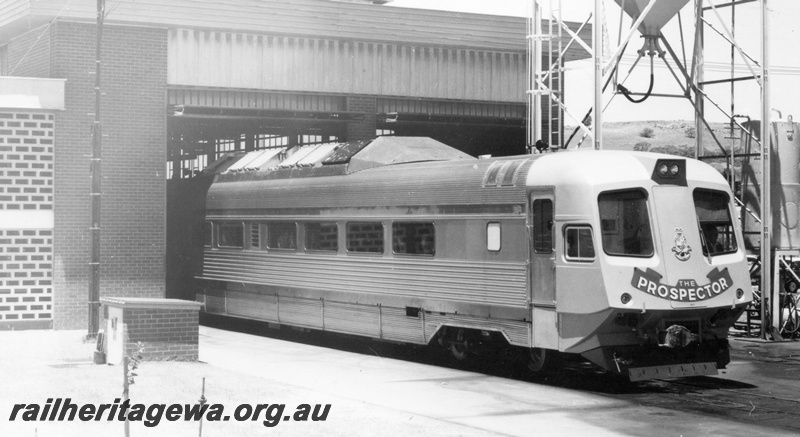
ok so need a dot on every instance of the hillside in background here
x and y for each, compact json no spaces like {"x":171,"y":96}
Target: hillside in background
{"x":670,"y":137}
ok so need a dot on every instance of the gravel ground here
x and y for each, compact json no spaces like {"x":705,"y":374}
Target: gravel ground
{"x":37,"y":365}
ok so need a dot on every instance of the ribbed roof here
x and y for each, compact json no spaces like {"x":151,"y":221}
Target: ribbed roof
{"x":309,"y":18}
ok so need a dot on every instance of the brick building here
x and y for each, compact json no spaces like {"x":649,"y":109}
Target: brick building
{"x":185,"y":81}
{"x":27,"y":115}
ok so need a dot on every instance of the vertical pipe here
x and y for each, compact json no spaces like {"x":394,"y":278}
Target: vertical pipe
{"x":731,"y":126}
{"x":550,"y":75}
{"x":529,"y":77}
{"x":597,"y":51}
{"x":698,"y":66}
{"x":96,"y":189}
{"x":767,"y":288}
{"x":536,"y":72}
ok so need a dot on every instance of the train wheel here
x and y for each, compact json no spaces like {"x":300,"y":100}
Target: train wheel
{"x":459,"y":347}
{"x":541,"y":359}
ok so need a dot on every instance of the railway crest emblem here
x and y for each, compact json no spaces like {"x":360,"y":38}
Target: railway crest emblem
{"x":682,"y":250}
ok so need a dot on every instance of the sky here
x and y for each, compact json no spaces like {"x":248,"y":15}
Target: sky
{"x":783,"y":34}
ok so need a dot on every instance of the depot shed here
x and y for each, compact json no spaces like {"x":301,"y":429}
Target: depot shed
{"x":186,"y":81}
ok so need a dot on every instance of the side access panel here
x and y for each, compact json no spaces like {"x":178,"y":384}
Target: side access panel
{"x":542,"y":270}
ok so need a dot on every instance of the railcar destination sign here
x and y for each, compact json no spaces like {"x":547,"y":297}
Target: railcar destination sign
{"x":686,"y":290}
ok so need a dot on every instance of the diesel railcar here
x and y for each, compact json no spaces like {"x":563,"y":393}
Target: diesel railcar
{"x":631,"y":260}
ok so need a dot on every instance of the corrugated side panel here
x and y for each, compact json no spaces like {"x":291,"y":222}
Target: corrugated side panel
{"x":252,"y":305}
{"x":458,"y":281}
{"x":518,"y":332}
{"x":254,"y":99}
{"x":301,"y":312}
{"x":397,"y":326}
{"x":293,"y":63}
{"x":438,"y":107}
{"x":345,"y":20}
{"x":353,"y":319}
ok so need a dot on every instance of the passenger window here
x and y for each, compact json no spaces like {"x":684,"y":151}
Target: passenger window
{"x":231,"y":234}
{"x":714,"y":218}
{"x":580,"y":246}
{"x":208,"y":234}
{"x":365,"y":237}
{"x":543,"y":225}
{"x":493,"y":237}
{"x":413,"y":238}
{"x":322,"y":236}
{"x":625,"y":223}
{"x":282,"y":235}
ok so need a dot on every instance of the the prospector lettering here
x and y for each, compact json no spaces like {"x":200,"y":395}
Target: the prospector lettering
{"x":686,"y":290}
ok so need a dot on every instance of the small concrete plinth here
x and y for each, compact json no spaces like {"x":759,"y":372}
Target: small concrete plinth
{"x":166,"y":328}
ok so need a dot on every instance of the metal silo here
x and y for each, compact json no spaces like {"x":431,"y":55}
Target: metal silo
{"x":784,"y":187}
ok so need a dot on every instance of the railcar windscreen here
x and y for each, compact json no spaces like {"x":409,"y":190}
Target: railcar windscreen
{"x":625,"y":223}
{"x":714,"y":219}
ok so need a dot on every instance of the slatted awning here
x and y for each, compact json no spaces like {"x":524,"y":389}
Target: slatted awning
{"x":216,"y":112}
{"x":388,"y":119}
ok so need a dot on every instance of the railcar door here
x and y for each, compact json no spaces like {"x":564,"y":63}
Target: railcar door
{"x":542,"y":271}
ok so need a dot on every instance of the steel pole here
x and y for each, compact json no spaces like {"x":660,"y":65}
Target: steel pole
{"x":597,"y":57}
{"x":768,"y":289}
{"x":96,"y":189}
{"x":698,"y":64}
{"x":536,"y":71}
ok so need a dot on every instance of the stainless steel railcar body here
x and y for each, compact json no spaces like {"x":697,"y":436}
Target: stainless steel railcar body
{"x":524,"y":248}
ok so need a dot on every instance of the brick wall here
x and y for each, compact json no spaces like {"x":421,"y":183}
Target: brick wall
{"x":26,"y":195}
{"x":26,"y":161}
{"x":166,"y":334}
{"x":29,"y":54}
{"x":26,"y":292}
{"x":134,"y":153}
{"x":364,"y":129}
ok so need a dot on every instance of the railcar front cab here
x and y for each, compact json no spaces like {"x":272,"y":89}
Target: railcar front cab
{"x":673,"y":270}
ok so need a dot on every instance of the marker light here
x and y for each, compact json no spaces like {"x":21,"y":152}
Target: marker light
{"x":739,"y":293}
{"x":625,"y":298}
{"x":670,"y":172}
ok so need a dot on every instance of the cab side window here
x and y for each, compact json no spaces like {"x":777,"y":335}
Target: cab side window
{"x":579,"y":244}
